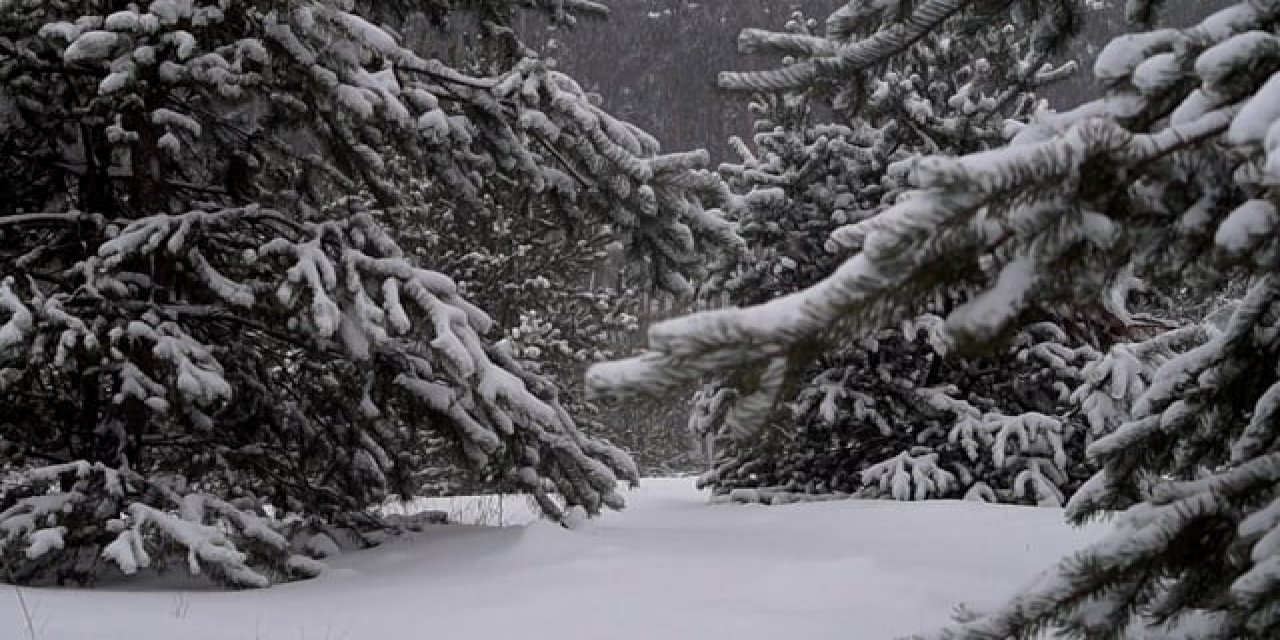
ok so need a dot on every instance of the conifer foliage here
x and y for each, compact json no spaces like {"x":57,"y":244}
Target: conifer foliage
{"x":888,"y":415}
{"x":207,"y":334}
{"x":1170,"y":175}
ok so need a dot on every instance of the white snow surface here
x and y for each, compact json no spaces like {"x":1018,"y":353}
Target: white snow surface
{"x":670,"y":566}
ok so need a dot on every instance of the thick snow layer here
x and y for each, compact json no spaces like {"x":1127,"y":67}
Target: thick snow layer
{"x":671,"y":566}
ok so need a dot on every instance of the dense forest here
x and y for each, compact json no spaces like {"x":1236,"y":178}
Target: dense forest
{"x":655,"y":62}
{"x":270,"y":269}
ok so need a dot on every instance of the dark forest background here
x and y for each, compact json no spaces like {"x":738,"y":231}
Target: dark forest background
{"x":654,"y":62}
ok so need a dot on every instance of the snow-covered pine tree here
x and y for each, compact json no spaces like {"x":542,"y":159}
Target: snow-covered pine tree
{"x":565,"y":288}
{"x":891,"y":417}
{"x":208,"y":333}
{"x":758,"y":343}
{"x":888,"y":415}
{"x":540,"y":272}
{"x":1171,"y":175}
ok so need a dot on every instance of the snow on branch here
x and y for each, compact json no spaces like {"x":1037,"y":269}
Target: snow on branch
{"x":842,"y":55}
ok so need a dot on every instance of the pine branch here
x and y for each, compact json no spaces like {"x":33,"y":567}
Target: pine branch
{"x":883,"y":45}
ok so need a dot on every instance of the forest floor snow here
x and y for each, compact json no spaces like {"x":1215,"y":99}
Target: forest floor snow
{"x":669,"y":567}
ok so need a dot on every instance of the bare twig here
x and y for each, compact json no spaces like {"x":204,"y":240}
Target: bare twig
{"x":26,"y":613}
{"x":48,"y":218}
{"x":562,"y":160}
{"x":181,"y":606}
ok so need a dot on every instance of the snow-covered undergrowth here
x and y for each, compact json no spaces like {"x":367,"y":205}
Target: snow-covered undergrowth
{"x":670,"y":566}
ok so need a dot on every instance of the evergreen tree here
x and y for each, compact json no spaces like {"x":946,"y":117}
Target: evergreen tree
{"x":889,"y":415}
{"x":562,"y":290}
{"x":566,"y":289}
{"x":208,"y":335}
{"x":1171,"y":176}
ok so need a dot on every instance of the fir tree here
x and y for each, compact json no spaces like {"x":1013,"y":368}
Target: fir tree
{"x":562,"y":289}
{"x":888,"y":415}
{"x":1171,"y":176}
{"x":208,"y":335}
{"x":567,"y":290}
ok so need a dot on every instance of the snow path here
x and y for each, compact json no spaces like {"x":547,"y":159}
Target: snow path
{"x":669,"y":567}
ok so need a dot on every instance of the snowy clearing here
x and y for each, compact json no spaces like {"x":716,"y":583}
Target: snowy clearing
{"x":670,"y":566}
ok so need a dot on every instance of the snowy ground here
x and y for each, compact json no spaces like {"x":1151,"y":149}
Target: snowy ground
{"x":669,"y":567}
